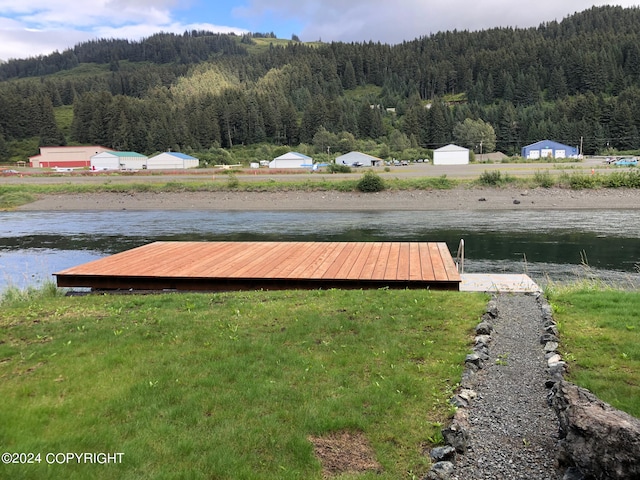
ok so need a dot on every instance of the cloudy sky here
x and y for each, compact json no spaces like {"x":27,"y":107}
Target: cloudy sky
{"x":34,"y":27}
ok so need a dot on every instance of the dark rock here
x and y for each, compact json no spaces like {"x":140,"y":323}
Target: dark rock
{"x":459,"y":402}
{"x":492,"y":308}
{"x":484,"y":328}
{"x":440,"y":454}
{"x":516,"y":202}
{"x":573,"y":473}
{"x":440,"y":471}
{"x":548,"y":337}
{"x":482,"y":352}
{"x":552,"y":329}
{"x":557,"y":370}
{"x":473,"y":360}
{"x":467,"y":378}
{"x":482,"y":199}
{"x":457,"y":433}
{"x":547,"y":311}
{"x":599,"y":440}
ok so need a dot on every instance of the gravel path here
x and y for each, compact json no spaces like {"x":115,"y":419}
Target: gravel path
{"x":513,"y":431}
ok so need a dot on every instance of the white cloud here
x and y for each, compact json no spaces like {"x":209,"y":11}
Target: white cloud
{"x":39,"y":27}
{"x":34,"y":27}
{"x":392,"y":22}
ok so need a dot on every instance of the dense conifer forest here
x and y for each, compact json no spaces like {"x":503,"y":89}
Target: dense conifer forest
{"x":576,"y":81}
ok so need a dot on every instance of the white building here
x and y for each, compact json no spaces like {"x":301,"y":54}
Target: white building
{"x":451,"y":155}
{"x":118,"y":161}
{"x":172,"y":161}
{"x":291,"y":160}
{"x":358,"y":159}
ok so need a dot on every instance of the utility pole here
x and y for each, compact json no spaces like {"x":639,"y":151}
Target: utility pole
{"x":581,"y":146}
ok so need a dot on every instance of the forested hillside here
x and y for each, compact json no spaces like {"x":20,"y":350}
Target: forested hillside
{"x":572,"y":81}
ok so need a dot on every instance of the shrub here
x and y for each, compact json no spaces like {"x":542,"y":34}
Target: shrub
{"x":370,"y":182}
{"x":494,"y":178}
{"x":543,"y":179}
{"x":622,"y":179}
{"x":232,"y":182}
{"x":579,"y":181}
{"x":338,"y":168}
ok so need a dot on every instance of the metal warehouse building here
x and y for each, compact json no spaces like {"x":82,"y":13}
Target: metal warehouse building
{"x":118,"y":161}
{"x":549,"y":149}
{"x":172,"y":160}
{"x":361,"y":159}
{"x":291,"y":160}
{"x":451,"y":155}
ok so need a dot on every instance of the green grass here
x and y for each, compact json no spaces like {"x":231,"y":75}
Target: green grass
{"x":13,"y":199}
{"x":64,"y":118}
{"x":600,"y":334}
{"x":12,"y":195}
{"x":230,"y":385}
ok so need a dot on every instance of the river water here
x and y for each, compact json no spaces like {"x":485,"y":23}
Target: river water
{"x":547,"y":245}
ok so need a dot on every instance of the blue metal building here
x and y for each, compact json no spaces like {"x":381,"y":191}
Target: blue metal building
{"x":549,"y":149}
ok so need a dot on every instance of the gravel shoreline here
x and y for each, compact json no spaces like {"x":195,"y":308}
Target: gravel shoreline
{"x":513,"y":431}
{"x":459,"y":198}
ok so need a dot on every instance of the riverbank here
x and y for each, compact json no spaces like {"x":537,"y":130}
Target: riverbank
{"x":458,"y":198}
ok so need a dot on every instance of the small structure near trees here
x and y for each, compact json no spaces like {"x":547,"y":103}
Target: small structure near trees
{"x":451,"y":155}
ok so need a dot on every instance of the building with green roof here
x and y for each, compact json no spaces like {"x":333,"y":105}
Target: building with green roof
{"x":119,"y":161}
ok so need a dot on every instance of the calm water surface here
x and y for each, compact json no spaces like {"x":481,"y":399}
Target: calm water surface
{"x":545,"y":244}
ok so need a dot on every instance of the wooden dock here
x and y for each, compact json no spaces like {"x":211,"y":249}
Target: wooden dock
{"x":216,"y":266}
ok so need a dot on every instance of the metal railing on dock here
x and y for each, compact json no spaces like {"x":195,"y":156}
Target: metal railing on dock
{"x":459,"y":261}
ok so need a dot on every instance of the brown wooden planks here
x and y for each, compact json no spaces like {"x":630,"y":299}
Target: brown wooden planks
{"x":448,"y":263}
{"x":280,"y":264}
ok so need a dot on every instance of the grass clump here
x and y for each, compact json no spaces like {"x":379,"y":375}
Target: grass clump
{"x":423,"y":183}
{"x":543,"y":179}
{"x":494,"y":178}
{"x":580,"y":181}
{"x":12,"y":295}
{"x":338,"y":168}
{"x":627,"y":179}
{"x":370,"y":182}
{"x":230,"y":385}
{"x":9,"y":200}
{"x":600,"y":333}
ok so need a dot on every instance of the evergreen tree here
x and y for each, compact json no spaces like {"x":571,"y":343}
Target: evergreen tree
{"x":49,"y":132}
{"x":312,"y":119}
{"x":439,"y":128}
{"x":4,"y":150}
{"x":349,"y":76}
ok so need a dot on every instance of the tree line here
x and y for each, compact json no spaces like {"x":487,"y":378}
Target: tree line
{"x":576,"y":81}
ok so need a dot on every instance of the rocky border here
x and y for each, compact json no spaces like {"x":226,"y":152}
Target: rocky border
{"x":456,"y":435}
{"x":597,"y":441}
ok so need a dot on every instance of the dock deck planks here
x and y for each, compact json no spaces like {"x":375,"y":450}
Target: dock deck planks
{"x":269,"y":265}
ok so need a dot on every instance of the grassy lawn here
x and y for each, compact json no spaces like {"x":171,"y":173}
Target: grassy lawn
{"x":231,"y":385}
{"x":600,"y":334}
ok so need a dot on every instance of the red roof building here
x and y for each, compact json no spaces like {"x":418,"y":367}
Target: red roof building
{"x":51,"y":157}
